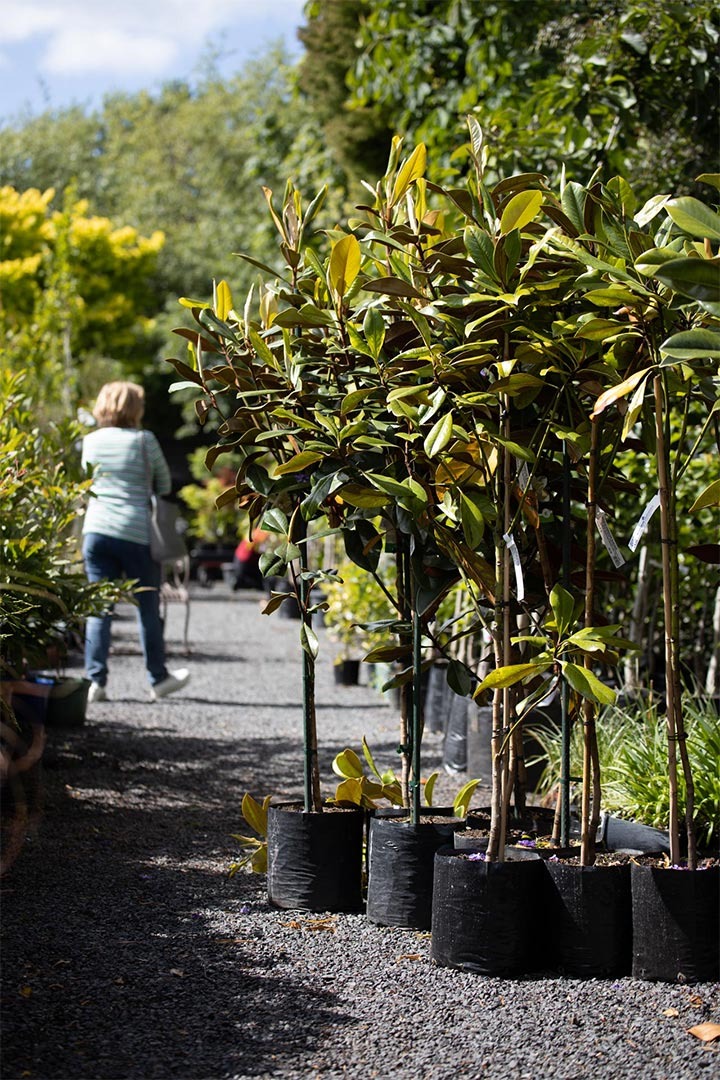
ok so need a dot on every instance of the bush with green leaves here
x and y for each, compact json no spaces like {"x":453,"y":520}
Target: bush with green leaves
{"x":44,"y":593}
{"x":632,"y":743}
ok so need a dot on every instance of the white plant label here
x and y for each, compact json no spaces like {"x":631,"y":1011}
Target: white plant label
{"x":608,"y":539}
{"x":524,"y":476}
{"x":513,"y":549}
{"x":644,"y":521}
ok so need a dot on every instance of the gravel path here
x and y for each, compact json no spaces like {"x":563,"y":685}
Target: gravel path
{"x":127,"y":952}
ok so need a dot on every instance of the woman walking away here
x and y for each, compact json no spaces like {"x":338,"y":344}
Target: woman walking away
{"x":127,"y":465}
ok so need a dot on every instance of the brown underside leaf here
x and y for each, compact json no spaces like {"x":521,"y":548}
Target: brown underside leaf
{"x":705,"y":1032}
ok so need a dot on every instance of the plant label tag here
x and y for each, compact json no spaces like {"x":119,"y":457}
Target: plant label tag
{"x":513,"y":549}
{"x":608,"y":539}
{"x":524,"y":476}
{"x":644,"y":521}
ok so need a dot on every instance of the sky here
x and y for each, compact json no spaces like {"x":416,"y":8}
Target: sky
{"x":58,"y":53}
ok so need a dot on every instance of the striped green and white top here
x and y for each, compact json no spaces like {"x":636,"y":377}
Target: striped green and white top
{"x":119,"y":502}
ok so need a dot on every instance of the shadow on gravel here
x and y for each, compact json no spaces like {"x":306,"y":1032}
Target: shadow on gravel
{"x":123,"y":938}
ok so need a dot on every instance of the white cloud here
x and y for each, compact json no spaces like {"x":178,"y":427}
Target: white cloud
{"x":76,"y":37}
{"x":94,"y":49}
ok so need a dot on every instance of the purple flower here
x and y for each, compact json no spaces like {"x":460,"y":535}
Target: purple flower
{"x":245,"y":909}
{"x":553,"y":858}
{"x":526,"y":843}
{"x":477,"y":856}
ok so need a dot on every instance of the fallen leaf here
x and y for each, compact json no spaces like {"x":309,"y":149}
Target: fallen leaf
{"x":696,"y":1000}
{"x":176,"y":971}
{"x":705,"y":1032}
{"x":408,"y":956}
{"x":671,"y":1012}
{"x":26,"y":991}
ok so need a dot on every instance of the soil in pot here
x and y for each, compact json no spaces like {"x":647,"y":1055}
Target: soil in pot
{"x":675,"y":920}
{"x":315,"y":859}
{"x":487,"y":915}
{"x":401,"y":859}
{"x":589,"y":916}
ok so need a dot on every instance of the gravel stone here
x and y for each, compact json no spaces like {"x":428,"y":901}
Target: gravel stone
{"x":128,"y":953}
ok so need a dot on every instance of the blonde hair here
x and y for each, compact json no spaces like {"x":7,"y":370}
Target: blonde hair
{"x":120,"y":404}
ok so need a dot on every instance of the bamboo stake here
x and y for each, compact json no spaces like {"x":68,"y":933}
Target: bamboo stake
{"x":590,"y":778}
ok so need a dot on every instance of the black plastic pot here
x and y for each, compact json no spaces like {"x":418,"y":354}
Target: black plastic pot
{"x":347,"y":672}
{"x":589,"y":919}
{"x":437,"y":697}
{"x":479,"y":738}
{"x":315,"y":859}
{"x":617,"y":833}
{"x":675,"y":917}
{"x":400,"y":865}
{"x":67,"y":702}
{"x":486,"y":915}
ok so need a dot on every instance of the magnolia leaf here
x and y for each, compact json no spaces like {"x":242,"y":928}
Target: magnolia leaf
{"x":255,"y":813}
{"x":615,"y":393}
{"x":429,"y":788}
{"x":274,"y":603}
{"x":374,"y":330}
{"x":439,"y":435}
{"x":472,"y":521}
{"x":298,"y":463}
{"x":709,"y":497}
{"x":563,"y":606}
{"x":707,"y":553}
{"x":365,"y":498}
{"x":393,"y":286}
{"x":186,"y":302}
{"x":344,"y":264}
{"x":350,"y":791}
{"x":275,"y":521}
{"x":585,"y":683}
{"x":697,"y":344}
{"x":347,"y":764}
{"x":461,"y":802}
{"x":694,"y":217}
{"x":367,"y":754}
{"x":520,"y":211}
{"x":411,"y":171}
{"x":509,"y":675}
{"x":223,"y":300}
{"x":698,"y":278}
{"x":309,"y":641}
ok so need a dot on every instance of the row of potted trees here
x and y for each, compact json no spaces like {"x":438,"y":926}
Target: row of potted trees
{"x":448,"y":388}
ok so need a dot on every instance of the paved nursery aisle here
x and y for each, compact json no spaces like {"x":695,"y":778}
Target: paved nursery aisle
{"x":128,"y":953}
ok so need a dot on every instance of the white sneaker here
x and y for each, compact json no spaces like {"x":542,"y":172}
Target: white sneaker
{"x":175,"y":681}
{"x":96,"y":693}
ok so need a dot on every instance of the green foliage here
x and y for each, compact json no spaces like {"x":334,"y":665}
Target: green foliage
{"x":255,"y":856}
{"x":629,"y":85}
{"x":44,"y":593}
{"x":632,"y":743}
{"x":354,"y":599}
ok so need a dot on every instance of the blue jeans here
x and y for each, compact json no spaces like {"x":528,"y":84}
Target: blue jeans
{"x":106,"y":557}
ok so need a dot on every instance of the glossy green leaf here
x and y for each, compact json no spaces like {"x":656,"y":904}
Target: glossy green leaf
{"x":563,"y":607}
{"x":411,"y":171}
{"x":472,"y":521}
{"x":573,"y":204}
{"x":309,"y":641}
{"x":347,"y":764}
{"x":345,"y":262}
{"x":439,"y":435}
{"x":374,"y":330}
{"x":298,"y":463}
{"x":223,"y":300}
{"x":365,"y":498}
{"x":585,"y":683}
{"x":429,"y":788}
{"x":621,"y":390}
{"x":694,"y":217}
{"x":508,"y":676}
{"x":520,"y":211}
{"x":275,"y":521}
{"x":696,"y":344}
{"x":461,"y":802}
{"x":697,"y":278}
{"x":709,"y":497}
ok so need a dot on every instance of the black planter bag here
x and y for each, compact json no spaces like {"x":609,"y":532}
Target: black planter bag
{"x":315,"y":860}
{"x":589,"y":920}
{"x":675,"y":924}
{"x":487,"y":915}
{"x":400,"y":868}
